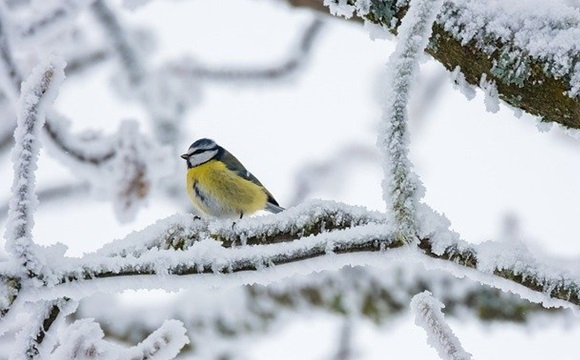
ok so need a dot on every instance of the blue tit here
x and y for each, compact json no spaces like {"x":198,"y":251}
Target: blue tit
{"x":219,"y":185}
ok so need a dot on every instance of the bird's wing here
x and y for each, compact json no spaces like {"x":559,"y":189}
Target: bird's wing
{"x":233,"y":164}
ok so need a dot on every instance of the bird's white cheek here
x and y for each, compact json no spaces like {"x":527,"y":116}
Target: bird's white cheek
{"x":197,"y":159}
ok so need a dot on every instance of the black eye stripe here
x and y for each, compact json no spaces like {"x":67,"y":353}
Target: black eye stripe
{"x":199,"y":151}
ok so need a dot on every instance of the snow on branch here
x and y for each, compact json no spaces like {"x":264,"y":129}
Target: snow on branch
{"x":401,"y":188}
{"x":84,"y":339}
{"x":428,"y":315}
{"x":38,"y":92}
{"x":164,"y":343}
{"x":9,"y":287}
{"x":31,"y":337}
{"x":530,"y":52}
{"x":350,"y":291}
{"x":182,"y":246}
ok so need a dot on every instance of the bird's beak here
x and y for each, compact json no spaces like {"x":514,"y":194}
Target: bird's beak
{"x":184,"y":156}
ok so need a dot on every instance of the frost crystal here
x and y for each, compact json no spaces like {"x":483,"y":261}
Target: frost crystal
{"x":340,"y":8}
{"x":461,"y":84}
{"x":401,"y":187}
{"x":491,"y":96}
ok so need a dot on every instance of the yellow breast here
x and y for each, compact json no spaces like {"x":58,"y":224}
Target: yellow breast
{"x":220,"y":192}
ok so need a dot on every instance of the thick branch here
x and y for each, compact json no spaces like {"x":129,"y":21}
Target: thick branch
{"x":535,"y":84}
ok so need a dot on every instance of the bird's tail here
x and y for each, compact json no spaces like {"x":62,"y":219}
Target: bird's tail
{"x":273,"y":208}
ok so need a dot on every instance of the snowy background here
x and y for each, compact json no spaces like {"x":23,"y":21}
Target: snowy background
{"x":487,"y":172}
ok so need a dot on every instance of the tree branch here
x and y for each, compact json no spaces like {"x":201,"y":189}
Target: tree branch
{"x":350,"y":292}
{"x":37,"y":92}
{"x":536,"y":83}
{"x":293,"y":62}
{"x":152,"y":252}
{"x":32,"y":336}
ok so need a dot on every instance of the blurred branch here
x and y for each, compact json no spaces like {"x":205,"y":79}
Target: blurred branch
{"x":86,"y":60}
{"x":316,"y":175}
{"x":13,"y":78}
{"x":538,"y":90}
{"x":350,"y":292}
{"x":132,"y":66}
{"x":53,"y":193}
{"x":48,"y":21}
{"x":293,"y":61}
{"x":345,"y":341}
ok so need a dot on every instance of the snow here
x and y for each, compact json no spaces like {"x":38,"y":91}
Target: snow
{"x":547,"y":31}
{"x":84,"y":339}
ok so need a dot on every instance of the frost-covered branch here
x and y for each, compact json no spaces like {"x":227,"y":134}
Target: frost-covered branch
{"x":152,"y":252}
{"x":38,"y":92}
{"x":401,"y":188}
{"x":164,"y":343}
{"x":350,"y":292}
{"x":532,"y":55}
{"x":31,"y":337}
{"x":84,"y":339}
{"x":56,"y":192}
{"x":428,"y":315}
{"x":9,"y":288}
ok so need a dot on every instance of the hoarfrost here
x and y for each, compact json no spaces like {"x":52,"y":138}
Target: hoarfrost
{"x":340,"y":8}
{"x":84,"y":340}
{"x":547,"y":31}
{"x":491,"y":95}
{"x":401,"y":187}
{"x":38,"y":92}
{"x":461,"y":84}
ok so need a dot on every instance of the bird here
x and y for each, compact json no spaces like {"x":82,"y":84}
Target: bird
{"x":220,"y":186}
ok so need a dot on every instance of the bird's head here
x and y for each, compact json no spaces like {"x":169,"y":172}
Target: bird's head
{"x":201,"y":151}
